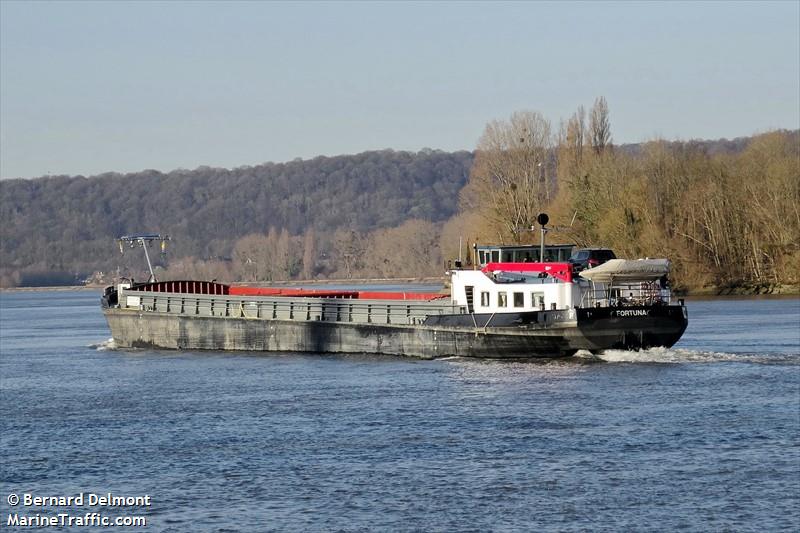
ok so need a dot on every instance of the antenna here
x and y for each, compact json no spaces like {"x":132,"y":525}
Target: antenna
{"x":144,"y":240}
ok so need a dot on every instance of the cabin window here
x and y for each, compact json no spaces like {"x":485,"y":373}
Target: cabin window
{"x":537,"y":299}
{"x":495,"y":256}
{"x":502,"y":299}
{"x":508,"y":257}
{"x":484,"y":299}
{"x":519,"y":299}
{"x":482,"y":256}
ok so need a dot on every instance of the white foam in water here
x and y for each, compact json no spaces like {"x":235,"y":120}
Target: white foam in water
{"x":679,"y":355}
{"x":106,"y":345}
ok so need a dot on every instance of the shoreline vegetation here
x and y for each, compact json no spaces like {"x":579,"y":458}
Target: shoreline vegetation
{"x":726,"y":213}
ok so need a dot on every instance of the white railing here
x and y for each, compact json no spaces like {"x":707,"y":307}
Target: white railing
{"x":626,"y":295}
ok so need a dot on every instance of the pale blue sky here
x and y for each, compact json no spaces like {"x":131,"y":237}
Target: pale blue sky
{"x":110,"y":86}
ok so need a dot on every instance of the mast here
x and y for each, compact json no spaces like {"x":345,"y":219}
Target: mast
{"x":542,"y":219}
{"x":144,"y":240}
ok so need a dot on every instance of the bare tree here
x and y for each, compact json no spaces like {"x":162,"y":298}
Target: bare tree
{"x":465,"y":228}
{"x":600,"y":125}
{"x":309,"y":254}
{"x":349,"y":249}
{"x":250,"y":258}
{"x":571,"y":141}
{"x":408,"y":250}
{"x":288,"y":260}
{"x":576,"y":132}
{"x":509,"y":181}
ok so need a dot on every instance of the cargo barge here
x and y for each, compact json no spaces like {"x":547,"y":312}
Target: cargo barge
{"x":503,"y":310}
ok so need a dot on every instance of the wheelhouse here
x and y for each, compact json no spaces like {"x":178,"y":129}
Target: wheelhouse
{"x":529,"y":253}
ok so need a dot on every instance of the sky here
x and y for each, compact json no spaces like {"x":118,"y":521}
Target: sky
{"x":91,"y":87}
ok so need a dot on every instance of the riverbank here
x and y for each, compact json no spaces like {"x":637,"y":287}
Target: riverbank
{"x":434,"y":282}
{"x":745,"y":290}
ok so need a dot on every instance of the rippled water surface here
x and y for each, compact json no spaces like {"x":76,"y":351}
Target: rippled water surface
{"x":701,"y":437}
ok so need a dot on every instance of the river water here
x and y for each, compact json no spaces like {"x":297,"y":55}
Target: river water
{"x":701,"y":437}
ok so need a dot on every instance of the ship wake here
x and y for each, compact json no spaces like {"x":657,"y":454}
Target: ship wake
{"x":105,"y":345}
{"x":680,"y":355}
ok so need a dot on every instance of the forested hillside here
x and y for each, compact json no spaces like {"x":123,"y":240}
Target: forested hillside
{"x":725,"y":212}
{"x":55,"y":228}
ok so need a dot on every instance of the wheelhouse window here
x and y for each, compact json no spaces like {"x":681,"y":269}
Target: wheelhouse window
{"x":519,"y":299}
{"x":537,"y":299}
{"x":502,"y":299}
{"x":484,"y":299}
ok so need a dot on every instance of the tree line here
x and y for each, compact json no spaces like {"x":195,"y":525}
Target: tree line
{"x":726,"y":212}
{"x":411,"y":249}
{"x":59,"y":229}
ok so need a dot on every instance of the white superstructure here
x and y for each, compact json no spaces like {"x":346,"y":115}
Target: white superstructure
{"x":504,"y":292}
{"x":524,"y":287}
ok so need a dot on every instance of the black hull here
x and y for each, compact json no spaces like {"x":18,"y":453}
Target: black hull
{"x":633,"y":328}
{"x":520,"y":335}
{"x":594,"y":329}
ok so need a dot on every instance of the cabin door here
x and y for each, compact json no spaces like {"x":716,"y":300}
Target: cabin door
{"x":470,"y":305}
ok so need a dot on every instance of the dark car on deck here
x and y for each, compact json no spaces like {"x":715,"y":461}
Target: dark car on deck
{"x":583,"y":258}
